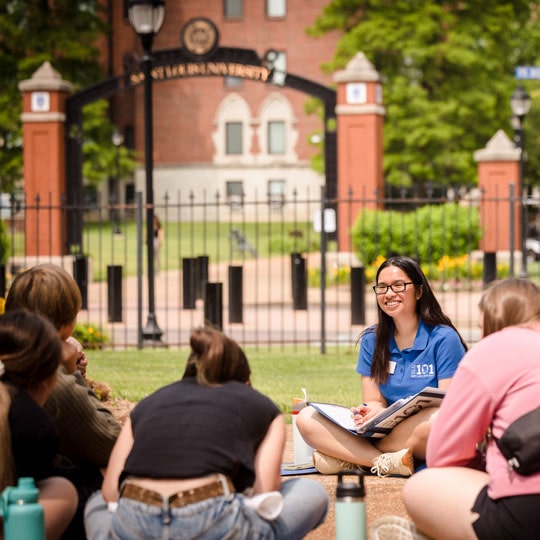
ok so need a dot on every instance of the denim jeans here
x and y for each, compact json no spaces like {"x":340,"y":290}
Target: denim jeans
{"x":305,"y":504}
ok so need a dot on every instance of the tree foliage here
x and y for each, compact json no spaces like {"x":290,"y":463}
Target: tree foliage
{"x":101,"y":158}
{"x":448,"y":74}
{"x":65,"y":33}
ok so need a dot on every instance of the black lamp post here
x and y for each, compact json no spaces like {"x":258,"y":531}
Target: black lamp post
{"x":146,"y":17}
{"x":520,"y":103}
{"x":117,"y":139}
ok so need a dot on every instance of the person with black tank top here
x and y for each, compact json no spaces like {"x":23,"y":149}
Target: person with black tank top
{"x":201,"y":458}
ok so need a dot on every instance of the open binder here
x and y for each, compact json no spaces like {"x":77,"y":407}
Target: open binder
{"x":387,"y":419}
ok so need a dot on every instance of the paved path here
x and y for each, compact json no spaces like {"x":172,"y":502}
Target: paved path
{"x":268,"y":314}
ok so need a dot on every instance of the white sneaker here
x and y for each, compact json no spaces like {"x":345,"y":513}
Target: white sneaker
{"x":400,"y":462}
{"x":395,"y":528}
{"x":331,"y":465}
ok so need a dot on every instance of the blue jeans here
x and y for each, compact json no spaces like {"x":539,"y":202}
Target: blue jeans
{"x":305,"y":504}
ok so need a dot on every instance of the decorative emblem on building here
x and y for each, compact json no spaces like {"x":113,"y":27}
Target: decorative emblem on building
{"x":199,"y":36}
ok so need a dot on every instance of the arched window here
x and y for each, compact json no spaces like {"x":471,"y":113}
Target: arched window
{"x":277,"y":131}
{"x":233,"y":133}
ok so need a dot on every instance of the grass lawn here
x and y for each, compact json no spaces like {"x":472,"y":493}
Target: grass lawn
{"x":133,"y":374}
{"x":192,"y":239}
{"x":186,"y":239}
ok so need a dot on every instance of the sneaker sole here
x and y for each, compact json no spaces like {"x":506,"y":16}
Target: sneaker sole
{"x":395,"y":528}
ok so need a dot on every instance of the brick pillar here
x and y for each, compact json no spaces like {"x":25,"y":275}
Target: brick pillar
{"x":360,"y":115}
{"x":43,"y":120}
{"x":498,"y":166}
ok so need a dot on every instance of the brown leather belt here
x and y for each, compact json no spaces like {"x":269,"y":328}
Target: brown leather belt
{"x":224,"y":486}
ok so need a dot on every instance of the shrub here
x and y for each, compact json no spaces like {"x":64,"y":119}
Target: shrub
{"x":458,"y":268}
{"x":428,"y":233}
{"x":291,"y":244}
{"x":338,"y":275}
{"x":447,"y":269}
{"x":90,"y":335}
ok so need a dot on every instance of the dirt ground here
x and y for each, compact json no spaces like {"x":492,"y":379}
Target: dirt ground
{"x":383,"y":495}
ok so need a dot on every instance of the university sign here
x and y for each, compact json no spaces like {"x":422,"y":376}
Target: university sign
{"x":200,"y":56}
{"x":204,"y":69}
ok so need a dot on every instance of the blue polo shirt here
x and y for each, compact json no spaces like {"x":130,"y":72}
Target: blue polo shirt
{"x":435,"y":355}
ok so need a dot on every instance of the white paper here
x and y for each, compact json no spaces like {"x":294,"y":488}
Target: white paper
{"x":267,"y":505}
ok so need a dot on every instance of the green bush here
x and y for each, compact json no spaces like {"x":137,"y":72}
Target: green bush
{"x":340,"y":275}
{"x":90,"y":335}
{"x":428,"y":233}
{"x":4,"y":242}
{"x":294,"y":241}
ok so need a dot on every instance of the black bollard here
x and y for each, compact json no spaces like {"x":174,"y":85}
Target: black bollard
{"x":358,"y":295}
{"x":114,"y":292}
{"x":201,"y":276}
{"x":2,"y":280}
{"x":236,"y":294}
{"x":213,"y":305}
{"x":490,"y":267}
{"x":80,"y":274}
{"x":299,"y":281}
{"x":188,"y":282}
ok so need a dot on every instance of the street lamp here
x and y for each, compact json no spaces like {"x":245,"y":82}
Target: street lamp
{"x":117,"y":139}
{"x":146,"y":17}
{"x":520,"y":103}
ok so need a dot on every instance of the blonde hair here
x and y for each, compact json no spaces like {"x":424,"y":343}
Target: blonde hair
{"x":509,"y":302}
{"x":30,"y":352}
{"x":46,"y":289}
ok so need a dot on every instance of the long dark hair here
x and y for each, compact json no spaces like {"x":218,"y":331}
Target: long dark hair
{"x":427,"y":307}
{"x":30,"y":352}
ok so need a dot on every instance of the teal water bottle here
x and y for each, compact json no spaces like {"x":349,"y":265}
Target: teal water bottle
{"x":23,"y":515}
{"x":350,"y":507}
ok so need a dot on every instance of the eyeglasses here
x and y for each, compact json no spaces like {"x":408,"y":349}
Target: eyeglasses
{"x":397,"y":287}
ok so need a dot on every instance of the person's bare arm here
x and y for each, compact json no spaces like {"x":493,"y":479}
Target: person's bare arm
{"x":444,"y":383}
{"x":118,"y":458}
{"x":373,"y":401}
{"x":269,"y":457}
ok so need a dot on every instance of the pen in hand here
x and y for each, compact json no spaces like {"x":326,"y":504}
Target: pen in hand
{"x":358,"y":413}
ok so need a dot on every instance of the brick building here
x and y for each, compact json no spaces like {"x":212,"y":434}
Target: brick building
{"x":226,"y":135}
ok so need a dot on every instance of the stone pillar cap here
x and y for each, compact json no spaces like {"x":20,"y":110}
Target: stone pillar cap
{"x":498,"y":148}
{"x":45,"y":78}
{"x":359,"y":69}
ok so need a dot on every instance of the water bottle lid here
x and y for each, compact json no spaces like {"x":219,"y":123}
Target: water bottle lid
{"x":355,"y":490}
{"x":25,"y":490}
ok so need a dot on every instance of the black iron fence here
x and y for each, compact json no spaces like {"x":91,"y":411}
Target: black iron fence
{"x":267,"y":271}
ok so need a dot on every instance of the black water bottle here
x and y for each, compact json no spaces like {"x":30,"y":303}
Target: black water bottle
{"x":350,"y":507}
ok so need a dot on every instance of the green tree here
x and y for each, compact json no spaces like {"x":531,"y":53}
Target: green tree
{"x":99,"y":151}
{"x":65,"y":33}
{"x":448,"y":71}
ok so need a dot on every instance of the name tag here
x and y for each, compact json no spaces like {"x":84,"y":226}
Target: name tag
{"x":392,"y":367}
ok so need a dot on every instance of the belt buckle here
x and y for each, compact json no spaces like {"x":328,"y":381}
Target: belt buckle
{"x":224,"y":484}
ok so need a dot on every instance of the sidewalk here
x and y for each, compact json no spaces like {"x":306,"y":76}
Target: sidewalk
{"x":267,"y":308}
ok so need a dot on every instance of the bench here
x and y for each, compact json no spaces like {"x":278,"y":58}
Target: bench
{"x":240,"y":243}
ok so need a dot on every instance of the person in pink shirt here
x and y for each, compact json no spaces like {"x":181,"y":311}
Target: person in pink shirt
{"x":497,"y":381}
